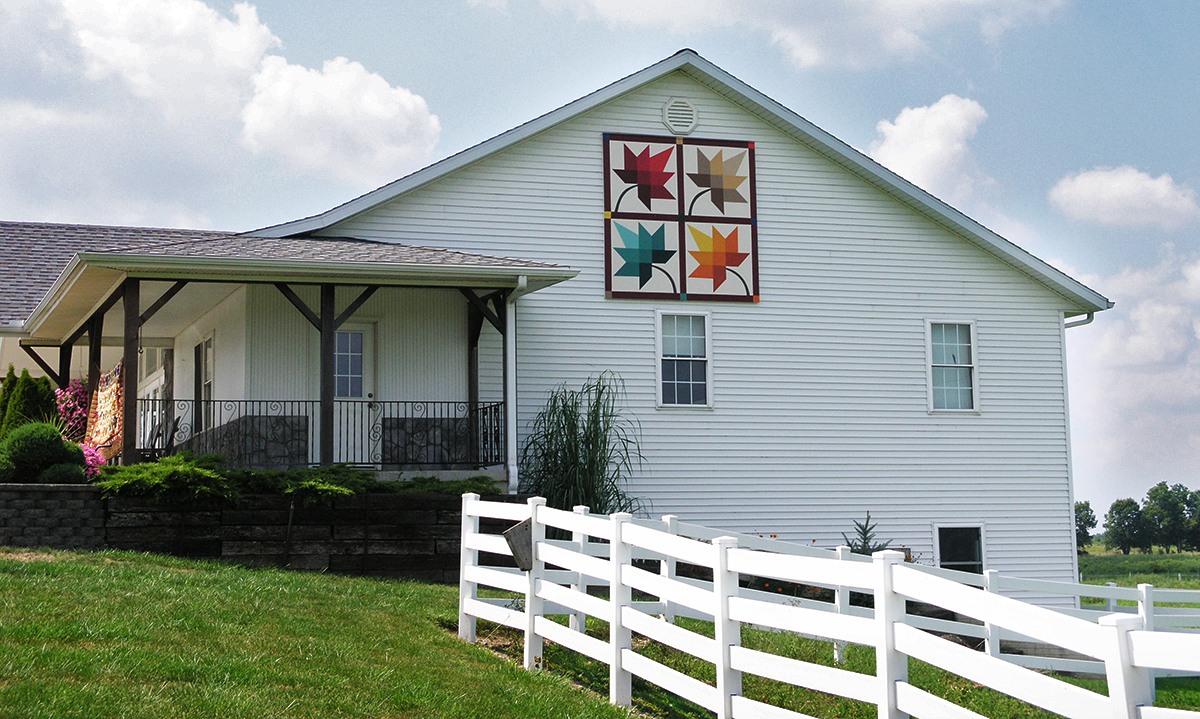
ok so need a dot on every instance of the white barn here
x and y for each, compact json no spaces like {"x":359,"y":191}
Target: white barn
{"x":803,"y":336}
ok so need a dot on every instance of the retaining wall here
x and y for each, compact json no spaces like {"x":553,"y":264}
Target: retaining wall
{"x":394,"y":535}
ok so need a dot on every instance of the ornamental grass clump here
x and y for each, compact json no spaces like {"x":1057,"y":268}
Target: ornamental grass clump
{"x":581,"y":449}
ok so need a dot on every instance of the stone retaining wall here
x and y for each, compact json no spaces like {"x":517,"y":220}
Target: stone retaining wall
{"x":63,"y":516}
{"x":394,"y":535}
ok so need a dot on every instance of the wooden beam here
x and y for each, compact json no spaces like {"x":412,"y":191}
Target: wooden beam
{"x":161,"y":301}
{"x":328,"y":333}
{"x":65,"y":353}
{"x":358,"y":302}
{"x":299,"y":304}
{"x":100,"y":312}
{"x":95,"y":330}
{"x":496,"y":317}
{"x":133,"y":323}
{"x":37,"y":358}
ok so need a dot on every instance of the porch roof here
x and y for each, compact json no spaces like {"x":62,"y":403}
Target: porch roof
{"x":68,"y":270}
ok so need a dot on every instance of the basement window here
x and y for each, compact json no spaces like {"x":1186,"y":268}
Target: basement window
{"x":960,"y":548}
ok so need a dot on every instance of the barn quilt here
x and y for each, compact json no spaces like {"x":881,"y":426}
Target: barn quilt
{"x":680,"y":221}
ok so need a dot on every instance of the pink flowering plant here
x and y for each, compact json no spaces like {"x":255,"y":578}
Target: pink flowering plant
{"x":72,"y":403}
{"x":92,"y":461}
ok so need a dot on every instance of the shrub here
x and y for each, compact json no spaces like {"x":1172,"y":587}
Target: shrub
{"x":29,"y":400}
{"x":6,"y":391}
{"x":177,"y":478}
{"x":864,"y":538}
{"x":581,"y":449}
{"x":32,"y":448}
{"x":63,"y":474}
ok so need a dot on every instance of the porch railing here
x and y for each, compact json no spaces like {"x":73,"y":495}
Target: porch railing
{"x":279,"y":434}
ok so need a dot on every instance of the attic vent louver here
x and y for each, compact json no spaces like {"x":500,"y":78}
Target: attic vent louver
{"x":680,"y":116}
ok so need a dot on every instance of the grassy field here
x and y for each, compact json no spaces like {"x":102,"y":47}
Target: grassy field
{"x":115,"y":634}
{"x":125,"y":635}
{"x":1180,"y":571}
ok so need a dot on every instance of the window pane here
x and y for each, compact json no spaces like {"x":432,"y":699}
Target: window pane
{"x":683,"y":365}
{"x":961,"y":548}
{"x":668,"y":370}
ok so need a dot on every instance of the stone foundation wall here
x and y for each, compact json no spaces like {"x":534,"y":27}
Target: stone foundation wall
{"x":63,"y":516}
{"x":393,"y":535}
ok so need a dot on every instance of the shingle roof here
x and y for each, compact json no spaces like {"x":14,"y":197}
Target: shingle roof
{"x":37,"y":253}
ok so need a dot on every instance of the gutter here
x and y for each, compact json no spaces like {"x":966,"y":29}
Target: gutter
{"x":1091,"y":316}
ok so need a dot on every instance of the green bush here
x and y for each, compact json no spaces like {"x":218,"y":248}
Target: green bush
{"x":32,"y":448}
{"x":6,"y":391}
{"x":27,"y":400}
{"x":62,"y":474}
{"x":178,"y":478}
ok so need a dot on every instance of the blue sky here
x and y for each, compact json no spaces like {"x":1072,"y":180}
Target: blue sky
{"x":1068,"y":127}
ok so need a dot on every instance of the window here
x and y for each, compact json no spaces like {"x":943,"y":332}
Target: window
{"x":348,"y":364}
{"x":952,"y":366}
{"x":683,"y":360}
{"x":204,"y":383}
{"x":960,"y":548}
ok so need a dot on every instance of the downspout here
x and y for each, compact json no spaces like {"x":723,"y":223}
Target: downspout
{"x":510,"y":380}
{"x":1080,"y":323}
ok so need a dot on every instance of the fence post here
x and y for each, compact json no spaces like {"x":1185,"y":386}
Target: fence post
{"x":578,"y":620}
{"x":891,"y":666}
{"x":1128,"y":686}
{"x":467,"y":558}
{"x":534,"y":603}
{"x":1146,"y":612}
{"x":841,"y":598}
{"x":620,"y":639}
{"x":727,"y":632}
{"x":991,"y":632}
{"x":1110,"y":604}
{"x":666,"y":566}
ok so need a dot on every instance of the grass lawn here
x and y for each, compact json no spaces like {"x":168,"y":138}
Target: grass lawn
{"x":1178,"y":570}
{"x":116,"y":634}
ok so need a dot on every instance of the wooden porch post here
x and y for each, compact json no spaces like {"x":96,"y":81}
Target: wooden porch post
{"x":64,"y":363}
{"x":133,"y":323}
{"x":328,"y":333}
{"x":95,"y":332}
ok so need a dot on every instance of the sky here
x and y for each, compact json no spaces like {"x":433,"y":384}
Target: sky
{"x":1067,"y":127}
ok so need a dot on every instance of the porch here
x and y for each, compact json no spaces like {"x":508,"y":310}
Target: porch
{"x":283,"y":434}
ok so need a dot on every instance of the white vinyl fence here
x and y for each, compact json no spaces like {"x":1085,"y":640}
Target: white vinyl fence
{"x":614,"y":552}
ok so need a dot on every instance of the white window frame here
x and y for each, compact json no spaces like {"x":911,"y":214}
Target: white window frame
{"x":973,"y":366}
{"x":658,"y":358}
{"x":983,"y":543}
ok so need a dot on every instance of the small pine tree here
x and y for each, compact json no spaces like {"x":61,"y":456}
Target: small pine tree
{"x":864,"y":538}
{"x":30,"y":400}
{"x":6,"y":392}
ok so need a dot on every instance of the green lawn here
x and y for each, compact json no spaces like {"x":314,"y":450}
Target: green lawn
{"x":115,"y":634}
{"x":125,"y":635}
{"x":1179,"y":570}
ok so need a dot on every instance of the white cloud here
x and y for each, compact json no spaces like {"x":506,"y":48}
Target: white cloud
{"x":1135,"y":383}
{"x":181,"y":54}
{"x":930,"y":147}
{"x":144,"y":111}
{"x":850,"y":33}
{"x":342,"y":120}
{"x":1125,"y":197}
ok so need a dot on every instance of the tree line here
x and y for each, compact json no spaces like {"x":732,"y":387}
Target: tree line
{"x":1168,"y":517}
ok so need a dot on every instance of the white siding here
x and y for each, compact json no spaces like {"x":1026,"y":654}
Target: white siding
{"x":420,"y":343}
{"x":820,"y":390}
{"x":226,"y":324}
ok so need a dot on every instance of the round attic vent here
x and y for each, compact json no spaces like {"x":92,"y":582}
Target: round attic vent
{"x":680,"y":116}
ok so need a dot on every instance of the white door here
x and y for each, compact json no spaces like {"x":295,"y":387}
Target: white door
{"x":356,"y":414}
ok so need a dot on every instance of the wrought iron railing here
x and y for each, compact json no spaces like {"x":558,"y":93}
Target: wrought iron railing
{"x":278,"y":434}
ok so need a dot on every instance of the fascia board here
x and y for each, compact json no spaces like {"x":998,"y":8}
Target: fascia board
{"x":54,"y":295}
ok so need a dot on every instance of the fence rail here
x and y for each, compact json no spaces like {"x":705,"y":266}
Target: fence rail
{"x":1121,"y":646}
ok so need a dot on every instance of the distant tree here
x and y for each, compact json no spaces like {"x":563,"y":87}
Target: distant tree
{"x":1085,"y":522}
{"x":1164,"y":512}
{"x":1193,"y":521}
{"x":1123,"y":526}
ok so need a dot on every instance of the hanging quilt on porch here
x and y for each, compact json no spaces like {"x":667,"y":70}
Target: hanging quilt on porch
{"x":104,"y":417}
{"x":680,"y":220}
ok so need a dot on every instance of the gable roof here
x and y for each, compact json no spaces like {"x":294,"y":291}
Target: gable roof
{"x":704,"y":72}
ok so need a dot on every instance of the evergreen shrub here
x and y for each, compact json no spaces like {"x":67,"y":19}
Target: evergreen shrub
{"x":31,"y":449}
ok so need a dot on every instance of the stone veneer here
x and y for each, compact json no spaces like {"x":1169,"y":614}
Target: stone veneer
{"x":63,"y":516}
